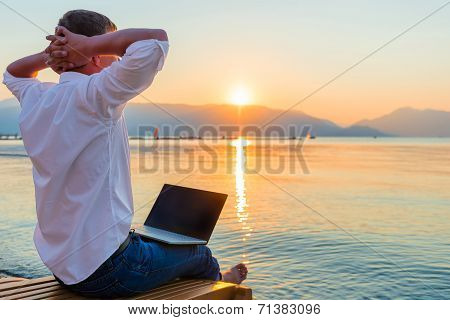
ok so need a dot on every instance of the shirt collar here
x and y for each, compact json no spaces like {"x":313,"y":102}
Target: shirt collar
{"x":71,"y":76}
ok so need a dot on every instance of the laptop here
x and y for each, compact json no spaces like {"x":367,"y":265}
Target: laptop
{"x":182,"y":215}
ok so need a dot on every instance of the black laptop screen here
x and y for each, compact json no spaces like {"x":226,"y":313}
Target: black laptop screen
{"x":186,"y":211}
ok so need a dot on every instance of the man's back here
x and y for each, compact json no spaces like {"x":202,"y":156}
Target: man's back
{"x":76,"y":137}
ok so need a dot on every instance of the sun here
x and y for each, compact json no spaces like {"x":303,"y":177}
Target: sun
{"x":240,"y":96}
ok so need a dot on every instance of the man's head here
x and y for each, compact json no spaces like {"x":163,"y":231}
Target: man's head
{"x":89,"y":23}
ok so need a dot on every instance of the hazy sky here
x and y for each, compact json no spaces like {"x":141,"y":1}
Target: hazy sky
{"x":279,"y":51}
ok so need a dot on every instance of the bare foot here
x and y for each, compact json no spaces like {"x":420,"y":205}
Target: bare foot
{"x":237,"y":274}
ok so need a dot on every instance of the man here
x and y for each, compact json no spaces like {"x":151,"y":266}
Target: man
{"x":75,"y":134}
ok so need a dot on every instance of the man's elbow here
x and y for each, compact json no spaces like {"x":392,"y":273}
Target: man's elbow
{"x":161,"y":35}
{"x":10,"y":69}
{"x":20,"y":70}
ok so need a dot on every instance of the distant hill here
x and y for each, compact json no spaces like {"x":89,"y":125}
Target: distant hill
{"x":214,"y":115}
{"x":410,"y":122}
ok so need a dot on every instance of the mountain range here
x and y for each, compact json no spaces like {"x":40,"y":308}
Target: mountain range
{"x":410,"y":122}
{"x":407,"y":122}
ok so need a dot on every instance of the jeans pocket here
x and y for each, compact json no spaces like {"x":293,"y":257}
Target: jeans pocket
{"x":138,"y":256}
{"x":100,"y":278}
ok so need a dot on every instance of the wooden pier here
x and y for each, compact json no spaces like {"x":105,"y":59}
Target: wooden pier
{"x":184,"y":289}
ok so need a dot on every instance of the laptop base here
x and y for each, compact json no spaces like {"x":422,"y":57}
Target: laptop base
{"x":166,"y":236}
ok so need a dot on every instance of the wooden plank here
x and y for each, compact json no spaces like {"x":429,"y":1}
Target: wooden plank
{"x":49,"y":288}
{"x":243,"y":293}
{"x":163,"y":296}
{"x":5,"y":293}
{"x":10,"y":279}
{"x":32,"y":293}
{"x":69,"y":295}
{"x":165,"y":289}
{"x":175,"y":287}
{"x":206,"y":293}
{"x":170,"y":286}
{"x":216,"y":291}
{"x":175,"y":284}
{"x":47,"y":295}
{"x":223,"y":291}
{"x":159,"y":295}
{"x":25,"y":283}
{"x":28,"y":291}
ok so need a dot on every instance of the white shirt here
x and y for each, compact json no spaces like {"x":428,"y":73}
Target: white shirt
{"x":75,"y":134}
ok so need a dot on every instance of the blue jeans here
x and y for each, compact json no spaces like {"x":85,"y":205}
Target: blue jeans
{"x":145,"y":265}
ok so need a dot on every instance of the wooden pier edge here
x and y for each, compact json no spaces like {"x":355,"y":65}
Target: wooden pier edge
{"x":48,"y":288}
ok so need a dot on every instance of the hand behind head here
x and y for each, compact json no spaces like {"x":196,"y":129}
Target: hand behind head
{"x":67,"y":50}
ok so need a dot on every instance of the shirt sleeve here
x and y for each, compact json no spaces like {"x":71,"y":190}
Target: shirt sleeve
{"x":127,"y":78}
{"x":20,"y":86}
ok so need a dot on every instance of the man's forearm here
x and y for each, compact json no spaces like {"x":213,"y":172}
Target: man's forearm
{"x":116,"y":43}
{"x":28,"y":67}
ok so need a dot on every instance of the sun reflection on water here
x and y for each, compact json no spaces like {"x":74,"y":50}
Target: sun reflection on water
{"x":241,"y":197}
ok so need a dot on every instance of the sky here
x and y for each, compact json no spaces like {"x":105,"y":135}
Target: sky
{"x":272,"y":53}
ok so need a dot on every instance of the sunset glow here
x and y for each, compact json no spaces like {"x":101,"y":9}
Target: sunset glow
{"x":274,"y":60}
{"x":240,"y":96}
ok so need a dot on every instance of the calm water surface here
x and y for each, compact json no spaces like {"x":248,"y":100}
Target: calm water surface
{"x":371,"y":219}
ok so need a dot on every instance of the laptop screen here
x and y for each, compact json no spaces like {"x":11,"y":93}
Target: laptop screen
{"x":186,"y":211}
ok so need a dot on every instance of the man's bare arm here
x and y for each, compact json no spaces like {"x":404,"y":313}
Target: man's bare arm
{"x":69,"y":50}
{"x":79,"y":50}
{"x":28,"y":67}
{"x":116,"y":43}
